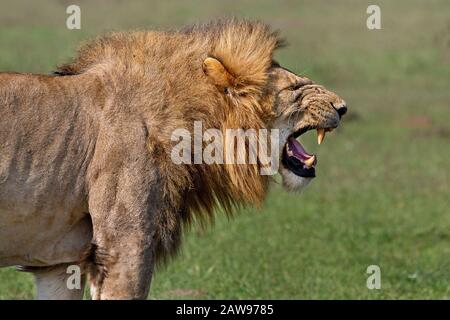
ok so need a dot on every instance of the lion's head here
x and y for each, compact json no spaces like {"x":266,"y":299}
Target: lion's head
{"x":285,"y":101}
{"x":301,"y":105}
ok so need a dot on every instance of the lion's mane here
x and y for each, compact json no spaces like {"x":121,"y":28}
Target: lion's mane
{"x":160,"y":74}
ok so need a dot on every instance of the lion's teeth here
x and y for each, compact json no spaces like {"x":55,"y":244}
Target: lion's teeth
{"x":320,"y":135}
{"x":309,"y":163}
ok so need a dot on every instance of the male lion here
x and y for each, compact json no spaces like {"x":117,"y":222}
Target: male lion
{"x":86,"y":176}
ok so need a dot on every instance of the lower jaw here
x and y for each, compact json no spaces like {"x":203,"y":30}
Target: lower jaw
{"x":293,"y":182}
{"x":296,"y":167}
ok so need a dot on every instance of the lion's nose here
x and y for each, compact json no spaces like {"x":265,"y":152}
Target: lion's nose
{"x":341,"y":108}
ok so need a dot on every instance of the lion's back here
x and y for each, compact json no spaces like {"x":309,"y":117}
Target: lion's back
{"x":43,"y":146}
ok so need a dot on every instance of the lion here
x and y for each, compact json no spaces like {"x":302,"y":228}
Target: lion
{"x":86,"y":177}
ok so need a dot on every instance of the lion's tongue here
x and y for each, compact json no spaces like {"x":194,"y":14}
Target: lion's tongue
{"x":297,"y":150}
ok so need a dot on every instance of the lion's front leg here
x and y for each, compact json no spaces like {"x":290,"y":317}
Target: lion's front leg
{"x":122,"y":183}
{"x":120,"y":264}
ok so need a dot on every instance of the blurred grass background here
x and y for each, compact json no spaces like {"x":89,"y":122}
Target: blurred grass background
{"x":382,"y":195}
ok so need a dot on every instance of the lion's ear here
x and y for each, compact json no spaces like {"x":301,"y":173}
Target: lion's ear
{"x":217,"y":72}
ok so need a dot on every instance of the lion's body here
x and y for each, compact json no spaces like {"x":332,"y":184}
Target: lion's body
{"x":85,"y":170}
{"x":46,"y":148}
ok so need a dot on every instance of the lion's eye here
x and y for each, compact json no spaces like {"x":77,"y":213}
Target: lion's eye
{"x":295,"y":87}
{"x":225,"y":90}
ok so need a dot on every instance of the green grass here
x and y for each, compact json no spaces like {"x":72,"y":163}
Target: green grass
{"x":382,"y":195}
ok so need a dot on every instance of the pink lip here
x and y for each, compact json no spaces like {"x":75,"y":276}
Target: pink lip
{"x":298,"y":151}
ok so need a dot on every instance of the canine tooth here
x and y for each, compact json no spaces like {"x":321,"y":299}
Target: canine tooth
{"x":310,"y":161}
{"x":320,"y":135}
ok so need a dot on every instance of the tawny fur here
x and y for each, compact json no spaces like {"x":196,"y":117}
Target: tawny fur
{"x":165,"y":68}
{"x":85,"y":163}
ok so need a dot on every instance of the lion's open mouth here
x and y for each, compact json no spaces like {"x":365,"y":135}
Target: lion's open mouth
{"x":296,"y":158}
